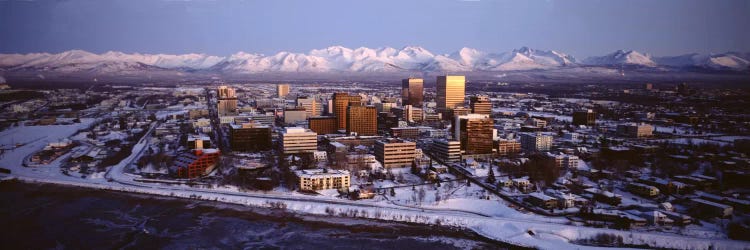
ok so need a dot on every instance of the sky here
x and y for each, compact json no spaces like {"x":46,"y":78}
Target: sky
{"x":581,"y":28}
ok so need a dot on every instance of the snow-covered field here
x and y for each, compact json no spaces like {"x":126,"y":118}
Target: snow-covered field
{"x":463,"y":208}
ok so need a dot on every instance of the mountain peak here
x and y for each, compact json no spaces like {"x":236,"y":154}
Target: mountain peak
{"x":342,"y":59}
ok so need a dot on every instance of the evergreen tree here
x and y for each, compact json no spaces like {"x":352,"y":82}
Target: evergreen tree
{"x":491,"y":175}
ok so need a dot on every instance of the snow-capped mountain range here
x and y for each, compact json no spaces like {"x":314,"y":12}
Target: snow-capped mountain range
{"x":361,"y":60}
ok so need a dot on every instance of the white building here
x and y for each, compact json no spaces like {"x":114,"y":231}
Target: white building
{"x":320,"y":179}
{"x":536,"y":141}
{"x":296,"y":140}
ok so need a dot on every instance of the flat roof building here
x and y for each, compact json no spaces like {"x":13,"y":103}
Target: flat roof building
{"x":395,"y":152}
{"x":362,"y":120}
{"x":586,"y":117}
{"x":475,"y":132}
{"x":323,"y":125}
{"x":412,"y":91}
{"x":321,"y":179}
{"x":451,"y":91}
{"x":536,"y":141}
{"x":341,"y":102}
{"x":481,"y":104}
{"x":249,"y":136}
{"x":446,"y":151}
{"x":296,"y":140}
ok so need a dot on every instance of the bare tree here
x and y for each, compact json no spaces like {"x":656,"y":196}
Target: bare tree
{"x":421,"y":195}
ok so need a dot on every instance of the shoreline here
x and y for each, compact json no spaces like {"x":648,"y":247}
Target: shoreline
{"x":282,"y":215}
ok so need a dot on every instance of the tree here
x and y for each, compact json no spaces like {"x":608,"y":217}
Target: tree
{"x":491,"y":175}
{"x":393,"y":192}
{"x":437,"y":196}
{"x":421,"y":194}
{"x":414,"y":169}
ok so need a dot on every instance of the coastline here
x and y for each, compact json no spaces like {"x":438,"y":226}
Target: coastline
{"x":282,"y":215}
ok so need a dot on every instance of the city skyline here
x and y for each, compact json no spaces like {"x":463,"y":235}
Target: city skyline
{"x":583,"y":29}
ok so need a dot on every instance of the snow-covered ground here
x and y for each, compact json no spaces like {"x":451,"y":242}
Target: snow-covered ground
{"x":463,"y":208}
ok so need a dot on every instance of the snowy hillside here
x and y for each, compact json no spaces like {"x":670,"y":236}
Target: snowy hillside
{"x":731,"y":60}
{"x":338,"y":59}
{"x":622,"y":57}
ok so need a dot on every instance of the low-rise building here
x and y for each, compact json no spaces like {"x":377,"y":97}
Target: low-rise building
{"x":320,"y":179}
{"x":197,"y":163}
{"x":635,"y":130}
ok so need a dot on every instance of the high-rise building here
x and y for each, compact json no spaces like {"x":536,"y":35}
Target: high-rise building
{"x":475,"y":132}
{"x":481,"y":104}
{"x":323,"y":125}
{"x":250,"y":136}
{"x":226,"y":92}
{"x":446,"y":151}
{"x":340,"y":103}
{"x":311,"y":105}
{"x":536,"y":141}
{"x":227,"y":104}
{"x":412,"y":91}
{"x":227,"y":107}
{"x":586,"y":117}
{"x":362,"y":120}
{"x":451,"y":91}
{"x":395,"y":152}
{"x":282,"y":90}
{"x":296,"y":140}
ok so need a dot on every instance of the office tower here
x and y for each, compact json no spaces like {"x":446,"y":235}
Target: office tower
{"x":451,"y":91}
{"x":227,"y":104}
{"x":296,"y":140}
{"x":586,"y":117}
{"x":250,"y":136}
{"x":226,"y":92}
{"x":481,"y":104}
{"x":340,"y":103}
{"x":282,"y":90}
{"x":412,"y":91}
{"x":362,"y":120}
{"x":536,"y":141}
{"x":323,"y":125}
{"x":311,"y":105}
{"x":475,"y":132}
{"x":446,"y":151}
{"x":395,"y":152}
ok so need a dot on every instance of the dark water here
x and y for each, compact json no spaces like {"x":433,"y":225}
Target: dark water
{"x":49,"y":216}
